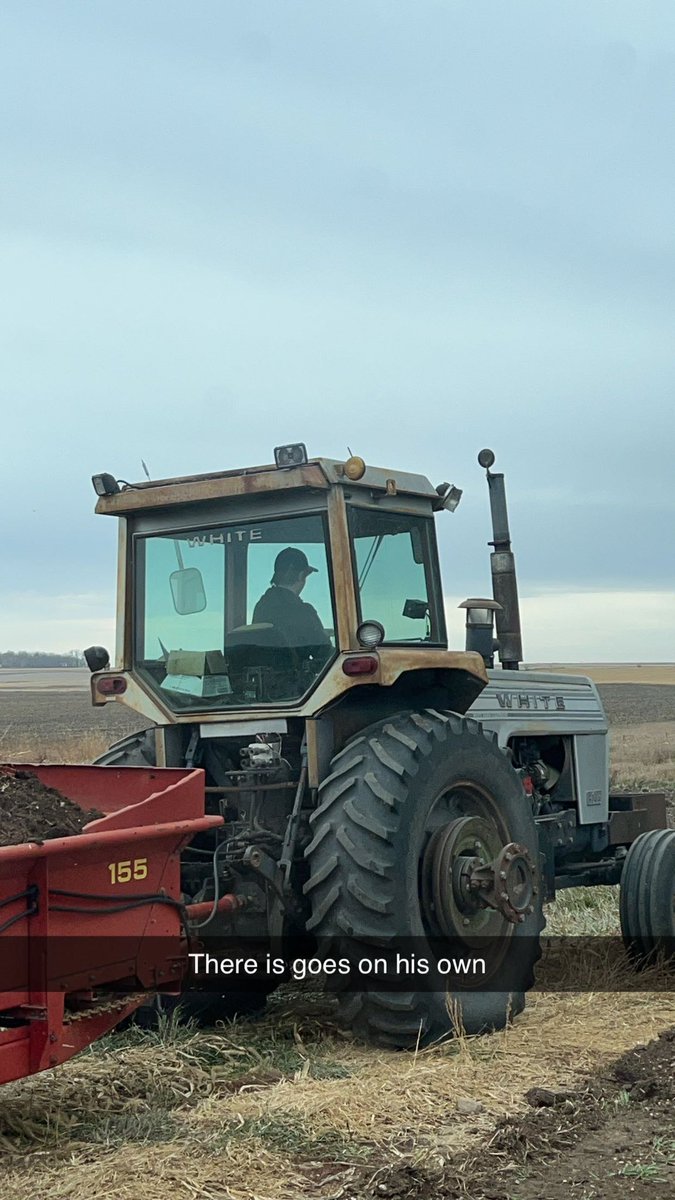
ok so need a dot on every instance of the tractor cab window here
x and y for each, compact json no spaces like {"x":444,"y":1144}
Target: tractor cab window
{"x":396,"y":574}
{"x":234,"y":615}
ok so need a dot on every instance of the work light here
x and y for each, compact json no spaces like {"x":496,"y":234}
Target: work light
{"x":450,"y":496}
{"x":105,"y":484}
{"x":369,"y":634}
{"x":293,"y":455}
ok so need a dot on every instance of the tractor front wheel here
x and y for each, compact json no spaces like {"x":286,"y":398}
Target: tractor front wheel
{"x":422,"y":833}
{"x":647,"y":896}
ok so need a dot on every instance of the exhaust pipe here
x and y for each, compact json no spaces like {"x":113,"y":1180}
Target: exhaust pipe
{"x":503,"y":568}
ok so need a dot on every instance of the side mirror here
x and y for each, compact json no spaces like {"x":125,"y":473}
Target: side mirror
{"x":96,"y":658}
{"x":417,"y":610}
{"x":187,"y":591}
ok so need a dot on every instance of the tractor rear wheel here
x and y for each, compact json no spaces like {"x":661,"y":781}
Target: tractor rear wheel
{"x":647,"y":896}
{"x":136,"y":750}
{"x":420,"y":816}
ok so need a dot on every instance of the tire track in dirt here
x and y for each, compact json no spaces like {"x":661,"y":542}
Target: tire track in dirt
{"x":597,"y":1141}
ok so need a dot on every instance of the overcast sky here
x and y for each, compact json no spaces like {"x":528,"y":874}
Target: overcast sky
{"x":414,"y":228}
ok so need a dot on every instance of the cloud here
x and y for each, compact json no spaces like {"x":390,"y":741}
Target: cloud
{"x":591,"y":626}
{"x":401,"y":228}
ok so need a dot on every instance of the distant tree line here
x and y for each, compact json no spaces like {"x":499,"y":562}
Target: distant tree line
{"x":40,"y":658}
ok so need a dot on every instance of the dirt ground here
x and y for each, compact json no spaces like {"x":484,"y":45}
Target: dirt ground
{"x":632,"y":673}
{"x":595,"y":1141}
{"x":59,"y":726}
{"x":575,"y":1101}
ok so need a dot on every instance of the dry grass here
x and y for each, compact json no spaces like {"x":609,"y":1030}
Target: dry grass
{"x":68,"y":747}
{"x":584,"y":912}
{"x":285,"y":1107}
{"x":643,"y":756}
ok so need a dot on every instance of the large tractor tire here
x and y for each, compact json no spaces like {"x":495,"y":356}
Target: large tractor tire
{"x":205,"y":1008}
{"x":647,"y":896}
{"x":390,"y":829}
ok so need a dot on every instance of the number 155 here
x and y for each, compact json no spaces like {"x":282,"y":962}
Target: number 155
{"x":124,"y":872}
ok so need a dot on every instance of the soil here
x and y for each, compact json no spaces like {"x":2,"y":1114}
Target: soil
{"x":46,"y":717}
{"x":598,"y":1142}
{"x":32,"y":812}
{"x":633,"y":703}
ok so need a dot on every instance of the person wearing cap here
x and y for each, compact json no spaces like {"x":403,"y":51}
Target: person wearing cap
{"x":282,"y":607}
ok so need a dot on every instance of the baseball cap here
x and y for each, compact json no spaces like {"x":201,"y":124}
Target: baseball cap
{"x":291,"y":562}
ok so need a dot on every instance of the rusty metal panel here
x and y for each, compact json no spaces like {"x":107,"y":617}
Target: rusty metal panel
{"x":397,"y":659}
{"x":381,"y":479}
{"x":137,"y":698}
{"x":199,"y":488}
{"x":160,"y":747}
{"x":322,"y":473}
{"x":343,"y":582}
{"x":320,"y":749}
{"x":121,"y":615}
{"x":392,"y":663}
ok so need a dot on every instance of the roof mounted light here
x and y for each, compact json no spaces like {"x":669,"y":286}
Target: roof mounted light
{"x":105,"y":484}
{"x":293,"y":455}
{"x":450,"y":496}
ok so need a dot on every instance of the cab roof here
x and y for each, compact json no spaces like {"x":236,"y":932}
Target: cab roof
{"x":318,"y":473}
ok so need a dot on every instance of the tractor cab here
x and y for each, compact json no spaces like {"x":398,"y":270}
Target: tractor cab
{"x":247,"y":590}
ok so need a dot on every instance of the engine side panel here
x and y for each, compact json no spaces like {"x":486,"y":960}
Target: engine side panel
{"x":531,"y":704}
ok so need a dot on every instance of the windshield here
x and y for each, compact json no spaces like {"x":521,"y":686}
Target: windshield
{"x":234,"y":615}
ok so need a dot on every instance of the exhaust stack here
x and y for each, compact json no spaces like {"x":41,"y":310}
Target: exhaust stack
{"x":503,"y":568}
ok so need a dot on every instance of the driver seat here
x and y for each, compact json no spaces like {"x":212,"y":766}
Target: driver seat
{"x":261,"y":661}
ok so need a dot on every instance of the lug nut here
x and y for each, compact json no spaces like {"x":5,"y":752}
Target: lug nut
{"x":502,"y":874}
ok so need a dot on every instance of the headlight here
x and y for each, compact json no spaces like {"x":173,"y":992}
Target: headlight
{"x":370,"y":634}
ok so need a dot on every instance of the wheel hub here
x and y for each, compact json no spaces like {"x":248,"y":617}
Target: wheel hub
{"x":473,"y":884}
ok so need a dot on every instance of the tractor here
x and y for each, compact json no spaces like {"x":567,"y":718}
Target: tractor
{"x":282,"y":628}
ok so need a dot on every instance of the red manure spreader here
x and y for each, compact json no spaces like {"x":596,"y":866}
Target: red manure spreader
{"x":91,"y":923}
